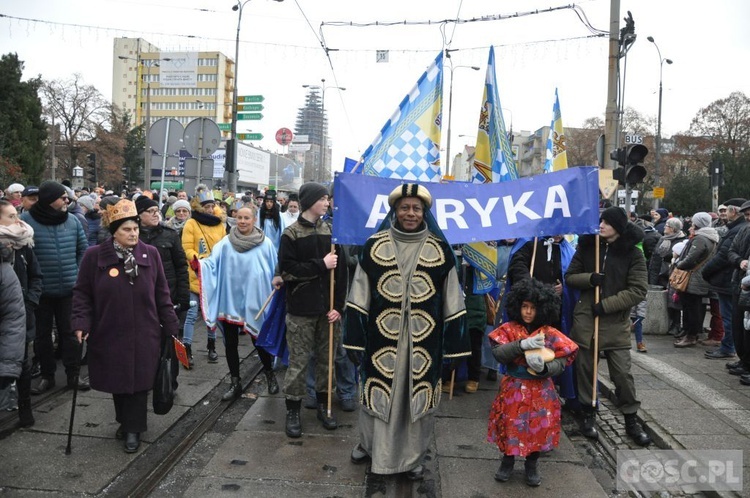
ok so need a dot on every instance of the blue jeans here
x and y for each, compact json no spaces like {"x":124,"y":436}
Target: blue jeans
{"x":638,"y":328}
{"x":346,"y":375}
{"x":725,"y":305}
{"x":190,"y":318}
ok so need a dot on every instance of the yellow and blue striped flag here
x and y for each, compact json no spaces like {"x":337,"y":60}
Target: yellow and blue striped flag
{"x":493,"y":163}
{"x":557,"y":156}
{"x":408,"y":146}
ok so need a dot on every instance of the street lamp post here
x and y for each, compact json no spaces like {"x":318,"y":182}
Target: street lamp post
{"x":657,"y":157}
{"x":231,"y":157}
{"x":322,"y":87}
{"x":449,"y":162}
{"x":147,"y":146}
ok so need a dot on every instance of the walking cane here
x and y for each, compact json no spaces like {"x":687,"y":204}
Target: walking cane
{"x":596,"y":326}
{"x":330,"y":342}
{"x":75,"y":396}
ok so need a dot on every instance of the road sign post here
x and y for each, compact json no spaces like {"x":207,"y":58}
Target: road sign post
{"x":249,"y":136}
{"x":249,"y":107}
{"x":251,"y":98}
{"x":250,"y":116}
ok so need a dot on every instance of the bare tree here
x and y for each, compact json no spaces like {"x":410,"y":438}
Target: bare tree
{"x":582,"y":142}
{"x":78,"y":111}
{"x":726,"y":122}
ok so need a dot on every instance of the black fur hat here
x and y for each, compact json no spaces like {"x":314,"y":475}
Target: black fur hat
{"x":543,"y":296}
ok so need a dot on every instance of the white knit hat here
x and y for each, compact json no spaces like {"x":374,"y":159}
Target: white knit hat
{"x":13,"y":188}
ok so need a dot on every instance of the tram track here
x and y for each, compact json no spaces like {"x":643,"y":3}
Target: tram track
{"x":145,"y":475}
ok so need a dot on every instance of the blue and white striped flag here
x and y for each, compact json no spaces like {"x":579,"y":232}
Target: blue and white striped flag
{"x":493,"y":157}
{"x":557,"y":155}
{"x":408,"y":146}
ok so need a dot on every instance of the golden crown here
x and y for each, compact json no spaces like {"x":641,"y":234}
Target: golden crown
{"x":123,"y":209}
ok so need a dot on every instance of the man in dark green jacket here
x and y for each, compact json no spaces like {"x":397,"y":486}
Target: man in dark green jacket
{"x":622,"y":279}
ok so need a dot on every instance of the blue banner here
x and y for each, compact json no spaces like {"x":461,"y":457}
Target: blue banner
{"x":556,"y":203}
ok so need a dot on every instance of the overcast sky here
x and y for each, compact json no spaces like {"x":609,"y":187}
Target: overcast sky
{"x":280,"y":51}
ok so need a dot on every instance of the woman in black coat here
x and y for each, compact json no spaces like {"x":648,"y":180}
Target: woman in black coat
{"x":19,"y":236}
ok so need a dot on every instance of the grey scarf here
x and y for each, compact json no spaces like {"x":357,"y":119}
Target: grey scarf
{"x":126,"y":254}
{"x":243,"y":243}
{"x":665,"y":245}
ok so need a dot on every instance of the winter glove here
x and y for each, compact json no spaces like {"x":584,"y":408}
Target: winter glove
{"x":533,"y":342}
{"x":535,"y":361}
{"x":596,"y":279}
{"x":597,"y":309}
{"x":354,"y":356}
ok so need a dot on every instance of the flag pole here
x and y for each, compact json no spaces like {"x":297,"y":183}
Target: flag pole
{"x":533,"y":257}
{"x":596,"y":326}
{"x":330,"y":341}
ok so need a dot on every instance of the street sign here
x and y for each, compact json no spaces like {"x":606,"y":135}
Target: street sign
{"x":202,"y":137}
{"x":251,"y":98}
{"x":249,"y":107}
{"x":284,"y":136}
{"x":165,"y":136}
{"x":252,"y":116}
{"x":301,"y":139}
{"x":658,"y":192}
{"x":225,"y":126}
{"x":249,"y":136}
{"x":633,"y":139}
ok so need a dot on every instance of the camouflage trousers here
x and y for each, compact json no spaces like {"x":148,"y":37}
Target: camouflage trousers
{"x":306,"y":335}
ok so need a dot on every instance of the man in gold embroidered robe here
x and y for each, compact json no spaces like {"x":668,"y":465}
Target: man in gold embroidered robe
{"x":404,"y":316}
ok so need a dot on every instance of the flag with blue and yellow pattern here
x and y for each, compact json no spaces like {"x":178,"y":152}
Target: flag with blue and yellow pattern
{"x":557,"y":156}
{"x":408,"y":146}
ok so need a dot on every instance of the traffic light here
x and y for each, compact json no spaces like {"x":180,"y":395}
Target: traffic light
{"x":91,"y":170}
{"x":716,"y":173}
{"x":230,"y":152}
{"x":630,"y":158}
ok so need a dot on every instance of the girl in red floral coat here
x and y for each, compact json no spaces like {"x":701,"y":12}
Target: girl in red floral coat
{"x":525,"y":416}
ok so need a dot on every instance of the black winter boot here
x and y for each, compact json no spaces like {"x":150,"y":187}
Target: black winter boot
{"x":506,"y":468}
{"x":328,"y":422}
{"x":213,"y":357}
{"x":189,"y":350}
{"x":634,"y":430}
{"x":273,"y":385}
{"x":235,"y":390}
{"x":25,"y":416}
{"x":588,"y":424}
{"x":533,"y":478}
{"x":293,"y":422}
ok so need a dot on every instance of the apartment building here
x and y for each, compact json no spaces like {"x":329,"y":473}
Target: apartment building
{"x":138,"y":87}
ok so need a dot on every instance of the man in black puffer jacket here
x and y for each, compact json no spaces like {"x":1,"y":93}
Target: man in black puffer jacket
{"x":169,"y":244}
{"x":718,"y":273}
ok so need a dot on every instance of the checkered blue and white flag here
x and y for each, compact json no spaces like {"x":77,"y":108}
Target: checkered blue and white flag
{"x":408,"y":146}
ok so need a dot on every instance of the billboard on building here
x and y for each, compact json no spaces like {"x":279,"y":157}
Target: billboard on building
{"x":253,"y":165}
{"x":178,"y":69}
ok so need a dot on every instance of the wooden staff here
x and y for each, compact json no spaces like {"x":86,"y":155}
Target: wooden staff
{"x":453,"y":381}
{"x":596,"y":326}
{"x":330,"y":341}
{"x":265,"y":305}
{"x":533,"y":258}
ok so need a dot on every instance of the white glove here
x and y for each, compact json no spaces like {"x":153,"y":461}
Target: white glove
{"x":535,"y":361}
{"x":533,"y":342}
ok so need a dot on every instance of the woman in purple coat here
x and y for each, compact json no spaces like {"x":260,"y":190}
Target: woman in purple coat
{"x":122,"y":305}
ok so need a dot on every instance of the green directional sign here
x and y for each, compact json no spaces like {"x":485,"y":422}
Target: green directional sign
{"x":252,"y":116}
{"x":249,"y":107}
{"x":225,"y":126}
{"x":251,"y":98}
{"x":249,"y":136}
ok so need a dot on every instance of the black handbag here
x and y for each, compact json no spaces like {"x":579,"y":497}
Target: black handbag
{"x":163,"y":395}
